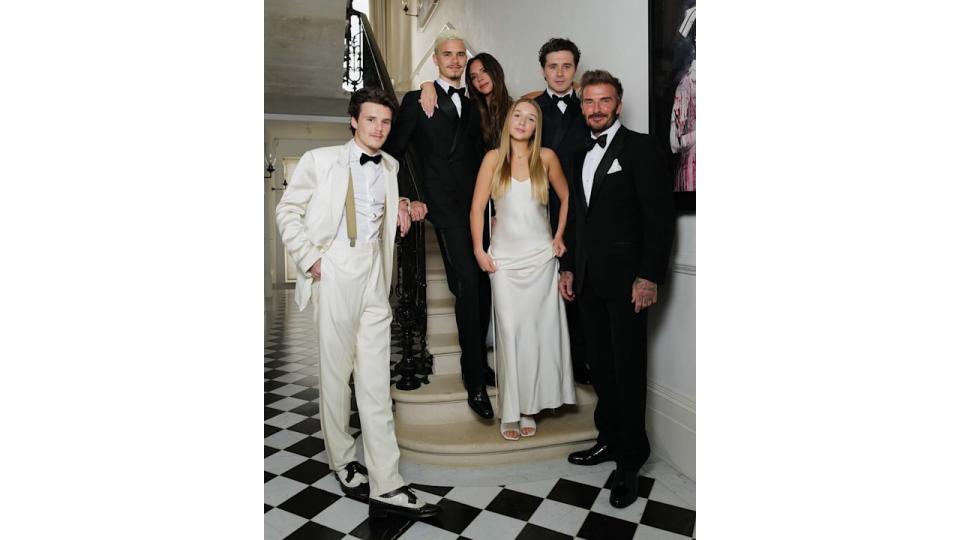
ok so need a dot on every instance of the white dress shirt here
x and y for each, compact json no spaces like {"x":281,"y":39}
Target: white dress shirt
{"x":594,"y":156}
{"x":562,"y":105}
{"x":369,"y":195}
{"x":455,"y":98}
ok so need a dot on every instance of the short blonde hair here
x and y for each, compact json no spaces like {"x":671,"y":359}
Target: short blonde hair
{"x":447,"y":35}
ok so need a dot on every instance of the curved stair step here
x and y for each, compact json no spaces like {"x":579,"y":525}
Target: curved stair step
{"x":476,"y":443}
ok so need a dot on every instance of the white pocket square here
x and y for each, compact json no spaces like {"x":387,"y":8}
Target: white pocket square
{"x":615,"y":167}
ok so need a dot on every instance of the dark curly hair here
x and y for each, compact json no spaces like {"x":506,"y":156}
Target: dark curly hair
{"x":368,"y":95}
{"x":556,"y":45}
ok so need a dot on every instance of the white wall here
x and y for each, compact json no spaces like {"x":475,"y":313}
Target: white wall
{"x":612,"y":35}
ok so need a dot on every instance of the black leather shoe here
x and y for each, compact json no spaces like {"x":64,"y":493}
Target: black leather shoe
{"x":592,"y":456}
{"x":626,"y":486}
{"x":488,"y":377}
{"x":359,"y":493}
{"x":479,"y":402}
{"x":401,"y":502}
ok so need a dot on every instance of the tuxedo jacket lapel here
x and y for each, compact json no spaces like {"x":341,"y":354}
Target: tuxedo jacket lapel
{"x":566,"y":120}
{"x":616,"y":145}
{"x":446,"y":105}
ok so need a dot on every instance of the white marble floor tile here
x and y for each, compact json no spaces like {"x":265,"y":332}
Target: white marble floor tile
{"x":423,"y":531}
{"x":644,"y":532}
{"x":284,"y":438}
{"x":277,"y":524}
{"x":282,"y":461}
{"x":493,"y":525}
{"x":559,"y":516}
{"x":280,"y":489}
{"x":631,"y":513}
{"x":343,"y":515}
{"x":478,"y":497}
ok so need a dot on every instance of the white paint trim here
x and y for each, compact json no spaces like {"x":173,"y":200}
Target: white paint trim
{"x":671,"y":425}
{"x":307,"y":118}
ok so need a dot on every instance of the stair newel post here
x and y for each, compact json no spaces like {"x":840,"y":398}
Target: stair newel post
{"x":405,"y":312}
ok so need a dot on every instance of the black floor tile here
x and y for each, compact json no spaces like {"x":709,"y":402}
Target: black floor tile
{"x":266,"y":508}
{"x":308,"y":426}
{"x":453,"y":516}
{"x":272,"y":385}
{"x":270,"y":397}
{"x":669,"y":517}
{"x":436,"y":490}
{"x":574,"y":493}
{"x":536,"y":532}
{"x":270,"y":412}
{"x":601,"y":527}
{"x":308,"y":447}
{"x":309,"y":502}
{"x":514,"y":504}
{"x":309,"y":394}
{"x":269,"y":430}
{"x":645,"y":484}
{"x":310,"y":408}
{"x":268,"y":476}
{"x":274,"y":364}
{"x":308,"y":472}
{"x":312,"y":530}
{"x":381,"y":528}
{"x":269,"y":451}
{"x":273,"y":374}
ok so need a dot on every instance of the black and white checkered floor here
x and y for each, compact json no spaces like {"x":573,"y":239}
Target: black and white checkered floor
{"x":303,"y":500}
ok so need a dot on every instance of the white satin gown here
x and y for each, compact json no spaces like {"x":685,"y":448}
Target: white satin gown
{"x":534,"y":370}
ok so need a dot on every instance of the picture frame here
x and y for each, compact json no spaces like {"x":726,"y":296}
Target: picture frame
{"x":672,"y":79}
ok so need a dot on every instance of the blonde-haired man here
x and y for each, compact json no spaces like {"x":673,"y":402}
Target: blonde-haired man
{"x":449,"y":147}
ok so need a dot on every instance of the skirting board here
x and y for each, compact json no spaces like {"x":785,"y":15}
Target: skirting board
{"x":672,"y":428}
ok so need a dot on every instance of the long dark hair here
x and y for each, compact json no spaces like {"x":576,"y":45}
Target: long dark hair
{"x":492,"y":113}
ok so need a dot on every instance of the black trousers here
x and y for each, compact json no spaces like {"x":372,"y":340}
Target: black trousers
{"x":471,"y":287}
{"x":617,"y":339}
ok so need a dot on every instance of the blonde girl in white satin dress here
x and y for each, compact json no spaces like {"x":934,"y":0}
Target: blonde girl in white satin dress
{"x":534,"y":371}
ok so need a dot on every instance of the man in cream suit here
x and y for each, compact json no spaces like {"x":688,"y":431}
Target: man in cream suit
{"x":338,"y":220}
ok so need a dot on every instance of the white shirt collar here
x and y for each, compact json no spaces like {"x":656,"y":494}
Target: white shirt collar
{"x":552,"y":93}
{"x":356,"y":151}
{"x":445,"y":85}
{"x":610,"y":132}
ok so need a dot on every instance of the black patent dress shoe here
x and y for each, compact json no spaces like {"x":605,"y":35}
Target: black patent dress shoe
{"x":626,"y":486}
{"x":401,"y":502}
{"x":480,"y":403}
{"x":598,"y":453}
{"x":358,"y":492}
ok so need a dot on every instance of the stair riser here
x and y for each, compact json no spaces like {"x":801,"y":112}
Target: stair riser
{"x":448,"y":412}
{"x":437,"y":289}
{"x":441,"y":323}
{"x":530,"y":455}
{"x":450,"y":362}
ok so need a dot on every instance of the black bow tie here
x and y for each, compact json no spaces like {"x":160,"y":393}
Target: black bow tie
{"x":557,"y":99}
{"x":601,"y":140}
{"x":462,"y":91}
{"x":375,"y":159}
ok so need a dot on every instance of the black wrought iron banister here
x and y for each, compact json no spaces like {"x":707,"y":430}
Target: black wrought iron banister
{"x":410,"y":290}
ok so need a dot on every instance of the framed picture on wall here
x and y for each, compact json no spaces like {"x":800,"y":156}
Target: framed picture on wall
{"x":673,"y":92}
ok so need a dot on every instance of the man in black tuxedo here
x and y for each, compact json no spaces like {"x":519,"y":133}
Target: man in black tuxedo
{"x":618,"y":248}
{"x":564,"y":132}
{"x":449,"y":149}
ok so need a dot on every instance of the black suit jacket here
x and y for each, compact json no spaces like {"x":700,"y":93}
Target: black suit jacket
{"x":627,"y":230}
{"x":565,"y":134}
{"x":447,"y":155}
